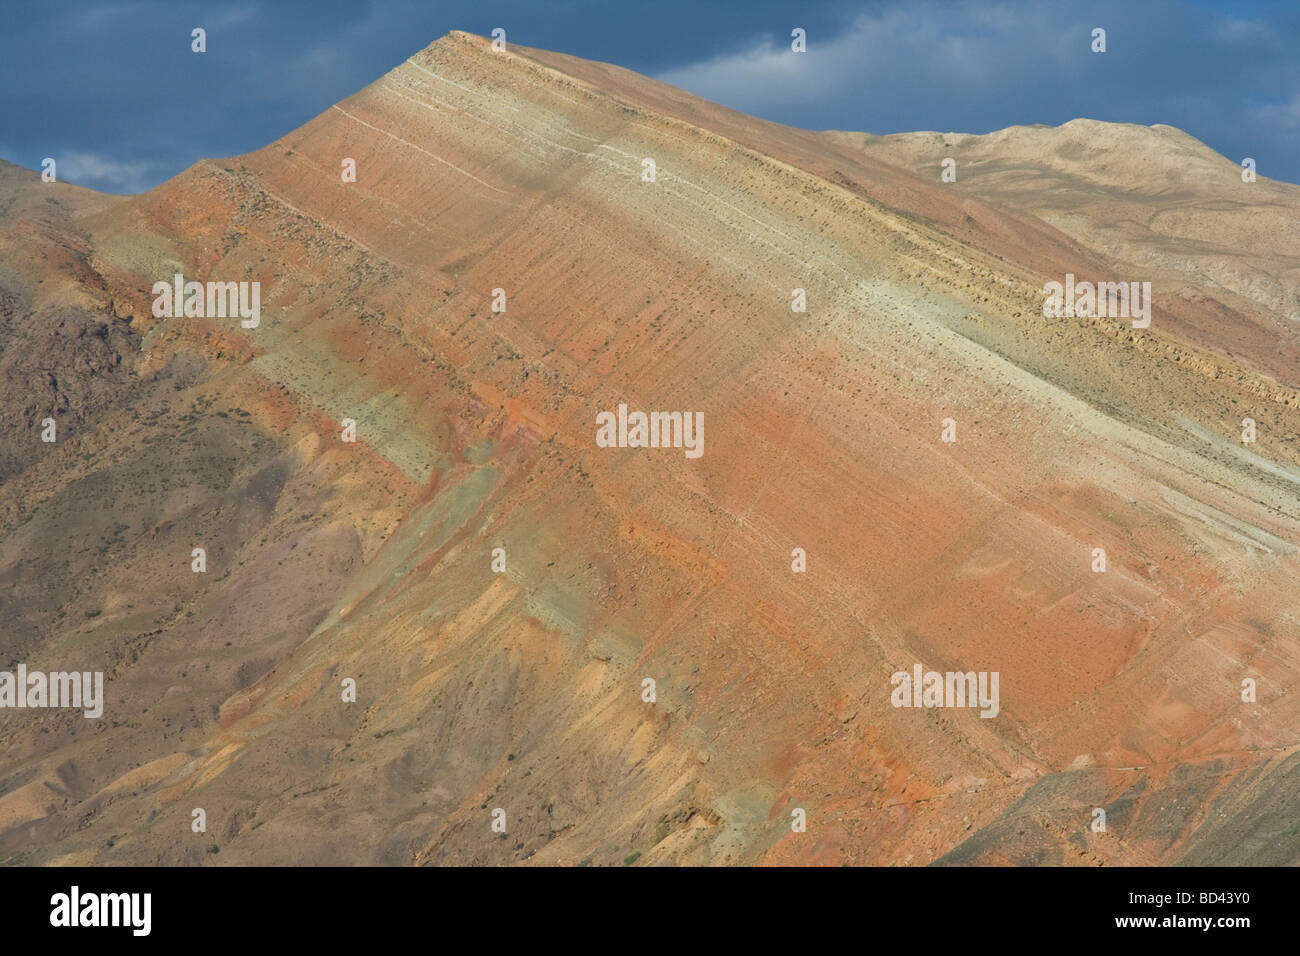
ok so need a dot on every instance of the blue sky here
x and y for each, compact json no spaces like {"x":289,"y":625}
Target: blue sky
{"x":112,"y":91}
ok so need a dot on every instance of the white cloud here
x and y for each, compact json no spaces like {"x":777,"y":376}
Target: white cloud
{"x":1284,"y":116}
{"x":104,"y":173}
{"x":1234,"y":30}
{"x":229,"y":17}
{"x":909,"y":51}
{"x":107,"y":15}
{"x":104,"y":16}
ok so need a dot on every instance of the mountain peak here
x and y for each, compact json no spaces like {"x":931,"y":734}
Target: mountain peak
{"x":382,"y":542}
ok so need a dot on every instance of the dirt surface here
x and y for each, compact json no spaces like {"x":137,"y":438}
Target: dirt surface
{"x":522,"y":690}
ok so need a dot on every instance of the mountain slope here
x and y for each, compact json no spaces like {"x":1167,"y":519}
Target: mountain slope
{"x":523,"y":690}
{"x":1153,"y":201}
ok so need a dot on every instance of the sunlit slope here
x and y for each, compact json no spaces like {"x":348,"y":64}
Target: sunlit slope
{"x":523,"y":690}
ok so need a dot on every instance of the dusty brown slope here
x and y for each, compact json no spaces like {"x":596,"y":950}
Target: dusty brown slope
{"x":1152,"y":201}
{"x":523,"y":690}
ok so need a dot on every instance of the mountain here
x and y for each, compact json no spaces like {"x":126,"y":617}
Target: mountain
{"x":1156,"y":201}
{"x":514,"y":680}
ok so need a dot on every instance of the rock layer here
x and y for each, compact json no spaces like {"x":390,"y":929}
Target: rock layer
{"x":523,"y":690}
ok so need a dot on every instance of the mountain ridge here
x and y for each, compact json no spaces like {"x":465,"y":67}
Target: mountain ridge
{"x":522,"y":690}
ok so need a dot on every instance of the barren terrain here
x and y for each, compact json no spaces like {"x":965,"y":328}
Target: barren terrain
{"x":522,"y":690}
